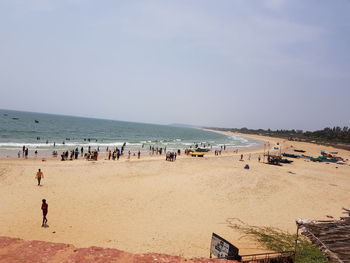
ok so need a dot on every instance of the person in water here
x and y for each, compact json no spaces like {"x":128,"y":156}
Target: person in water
{"x":45,"y":209}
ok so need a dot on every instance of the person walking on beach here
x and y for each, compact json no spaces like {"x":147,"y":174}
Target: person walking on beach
{"x":39,"y":176}
{"x":138,"y":155}
{"x":44,"y":208}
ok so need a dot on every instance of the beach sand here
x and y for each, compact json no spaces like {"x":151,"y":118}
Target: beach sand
{"x":150,"y":205}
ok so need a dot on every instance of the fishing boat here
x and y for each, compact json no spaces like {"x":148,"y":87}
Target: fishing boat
{"x":197,"y":154}
{"x":324,"y":158}
{"x":202,"y":150}
{"x":290,"y":155}
{"x":285,"y":161}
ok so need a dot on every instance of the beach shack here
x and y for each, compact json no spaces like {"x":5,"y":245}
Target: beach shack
{"x":331,"y":236}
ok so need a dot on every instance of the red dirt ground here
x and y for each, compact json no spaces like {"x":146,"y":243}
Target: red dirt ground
{"x":15,"y":250}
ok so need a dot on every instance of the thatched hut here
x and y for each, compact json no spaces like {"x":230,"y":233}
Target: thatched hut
{"x":331,"y":237}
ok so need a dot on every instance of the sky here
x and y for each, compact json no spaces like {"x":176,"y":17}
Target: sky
{"x":279,"y":64}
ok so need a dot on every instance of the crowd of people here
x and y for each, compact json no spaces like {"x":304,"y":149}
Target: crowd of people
{"x":170,"y":156}
{"x":25,"y":152}
{"x":116,"y":153}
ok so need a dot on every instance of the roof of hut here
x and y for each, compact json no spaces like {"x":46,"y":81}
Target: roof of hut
{"x":332,"y":237}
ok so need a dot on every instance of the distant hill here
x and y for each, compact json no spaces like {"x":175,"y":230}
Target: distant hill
{"x":181,"y":125}
{"x":336,"y":136}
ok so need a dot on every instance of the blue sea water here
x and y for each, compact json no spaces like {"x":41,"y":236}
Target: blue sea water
{"x":40,"y":131}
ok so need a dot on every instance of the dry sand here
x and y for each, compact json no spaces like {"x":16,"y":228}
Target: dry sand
{"x":151,"y":205}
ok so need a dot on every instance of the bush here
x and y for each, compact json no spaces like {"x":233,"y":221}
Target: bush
{"x":278,"y":240}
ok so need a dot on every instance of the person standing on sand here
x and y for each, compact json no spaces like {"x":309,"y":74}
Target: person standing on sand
{"x":45,"y":209}
{"x":39,"y":176}
{"x":76,"y":153}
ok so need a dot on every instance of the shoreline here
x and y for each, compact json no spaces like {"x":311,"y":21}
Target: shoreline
{"x":285,"y":143}
{"x":255,"y":148}
{"x":47,"y":153}
{"x":337,"y":145}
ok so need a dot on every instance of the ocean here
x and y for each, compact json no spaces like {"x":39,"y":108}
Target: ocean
{"x":47,"y":132}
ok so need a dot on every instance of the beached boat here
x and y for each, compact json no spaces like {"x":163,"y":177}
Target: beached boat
{"x":324,"y":158}
{"x":290,"y":155}
{"x":202,"y":150}
{"x":286,"y":161}
{"x":306,"y":156}
{"x":197,"y":154}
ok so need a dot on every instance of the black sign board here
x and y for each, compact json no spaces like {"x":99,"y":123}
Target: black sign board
{"x":220,"y":248}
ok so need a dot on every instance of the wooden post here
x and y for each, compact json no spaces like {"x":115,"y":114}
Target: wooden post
{"x":296,"y":242}
{"x":280,"y":150}
{"x":211,"y":243}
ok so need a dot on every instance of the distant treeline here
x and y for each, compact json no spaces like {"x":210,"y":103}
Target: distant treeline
{"x":335,"y":135}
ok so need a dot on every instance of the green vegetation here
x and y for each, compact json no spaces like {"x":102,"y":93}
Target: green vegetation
{"x":327,"y":135}
{"x":278,"y":240}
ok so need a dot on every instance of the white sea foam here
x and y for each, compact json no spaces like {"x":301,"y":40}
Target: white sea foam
{"x":20,"y":145}
{"x":233,"y":141}
{"x":50,"y":145}
{"x":238,"y":138}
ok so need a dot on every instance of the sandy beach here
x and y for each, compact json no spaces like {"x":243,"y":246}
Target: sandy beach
{"x":150,"y":205}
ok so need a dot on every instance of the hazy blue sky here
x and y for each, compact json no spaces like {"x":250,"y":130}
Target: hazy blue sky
{"x":230,"y":63}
